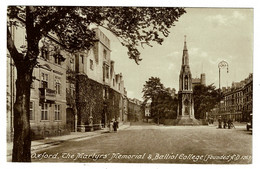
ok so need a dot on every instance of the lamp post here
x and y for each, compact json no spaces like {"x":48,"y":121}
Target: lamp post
{"x":222,"y":64}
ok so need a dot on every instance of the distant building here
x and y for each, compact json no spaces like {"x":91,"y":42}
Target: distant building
{"x":247,"y":98}
{"x":134,"y":110}
{"x":199,"y":81}
{"x":147,"y":111}
{"x":238,"y":100}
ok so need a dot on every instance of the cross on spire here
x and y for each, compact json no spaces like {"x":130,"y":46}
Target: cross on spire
{"x":185,"y":38}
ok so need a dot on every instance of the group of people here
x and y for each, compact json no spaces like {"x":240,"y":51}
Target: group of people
{"x":226,"y":123}
{"x":113,"y":126}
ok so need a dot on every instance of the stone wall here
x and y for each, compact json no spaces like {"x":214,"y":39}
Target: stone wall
{"x":43,"y":131}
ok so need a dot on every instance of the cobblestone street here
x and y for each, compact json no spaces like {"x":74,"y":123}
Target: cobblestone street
{"x":156,"y":144}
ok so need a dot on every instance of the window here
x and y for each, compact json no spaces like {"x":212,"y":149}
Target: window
{"x":44,"y":80}
{"x":107,"y":72}
{"x":57,"y":112}
{"x":57,"y":59}
{"x":44,"y":111}
{"x":72,"y":90}
{"x":91,"y":64}
{"x":57,"y":85}
{"x":104,"y":93}
{"x":31,"y":111}
{"x":103,"y":73}
{"x":113,"y":82}
{"x":45,"y":53}
{"x":105,"y":53}
{"x":82,"y":58}
{"x":72,"y":64}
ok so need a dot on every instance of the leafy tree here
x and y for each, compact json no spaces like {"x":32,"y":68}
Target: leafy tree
{"x":152,"y":89}
{"x":205,"y":99}
{"x":134,"y":26}
{"x":163,"y":105}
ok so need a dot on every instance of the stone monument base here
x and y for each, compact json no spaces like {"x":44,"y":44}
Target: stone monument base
{"x":187,"y":121}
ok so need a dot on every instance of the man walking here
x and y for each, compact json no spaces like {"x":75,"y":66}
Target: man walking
{"x":115,"y":125}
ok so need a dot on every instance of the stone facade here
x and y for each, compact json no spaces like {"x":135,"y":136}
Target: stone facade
{"x":70,"y":91}
{"x":237,"y":101}
{"x":100,"y":92}
{"x":134,"y":110}
{"x":48,"y":92}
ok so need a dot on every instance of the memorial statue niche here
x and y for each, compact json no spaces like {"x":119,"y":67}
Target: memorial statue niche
{"x":187,"y":107}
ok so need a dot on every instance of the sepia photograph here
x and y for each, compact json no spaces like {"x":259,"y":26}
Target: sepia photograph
{"x":129,"y":84}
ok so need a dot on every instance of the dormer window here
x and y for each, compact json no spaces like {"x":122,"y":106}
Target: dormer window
{"x":58,"y":58}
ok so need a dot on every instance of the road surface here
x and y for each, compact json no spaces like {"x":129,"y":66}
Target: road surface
{"x":156,"y":144}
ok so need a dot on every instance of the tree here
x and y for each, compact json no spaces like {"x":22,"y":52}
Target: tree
{"x":133,"y":26}
{"x":162,"y":103}
{"x":205,"y":99}
{"x":152,"y":90}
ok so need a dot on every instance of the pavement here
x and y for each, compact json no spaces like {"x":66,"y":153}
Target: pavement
{"x":37,"y":145}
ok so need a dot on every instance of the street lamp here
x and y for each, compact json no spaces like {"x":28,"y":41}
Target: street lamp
{"x":222,"y":64}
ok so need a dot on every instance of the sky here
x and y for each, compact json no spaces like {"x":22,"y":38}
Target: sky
{"x":213,"y":35}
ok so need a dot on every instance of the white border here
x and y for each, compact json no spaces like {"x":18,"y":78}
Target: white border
{"x":184,"y":3}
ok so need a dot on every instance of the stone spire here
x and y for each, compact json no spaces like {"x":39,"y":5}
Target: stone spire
{"x":185,"y":56}
{"x":185,"y":114}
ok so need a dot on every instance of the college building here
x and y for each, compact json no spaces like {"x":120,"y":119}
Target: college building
{"x":48,"y":89}
{"x":237,"y":102}
{"x":70,"y":91}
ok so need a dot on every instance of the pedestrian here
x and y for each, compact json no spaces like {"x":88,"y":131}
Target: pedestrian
{"x":225,"y":123}
{"x":219,"y":122}
{"x":232,"y":124}
{"x":115,"y":125}
{"x":229,"y":123}
{"x":111,"y":126}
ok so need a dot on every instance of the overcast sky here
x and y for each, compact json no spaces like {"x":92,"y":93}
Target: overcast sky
{"x":213,"y":35}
